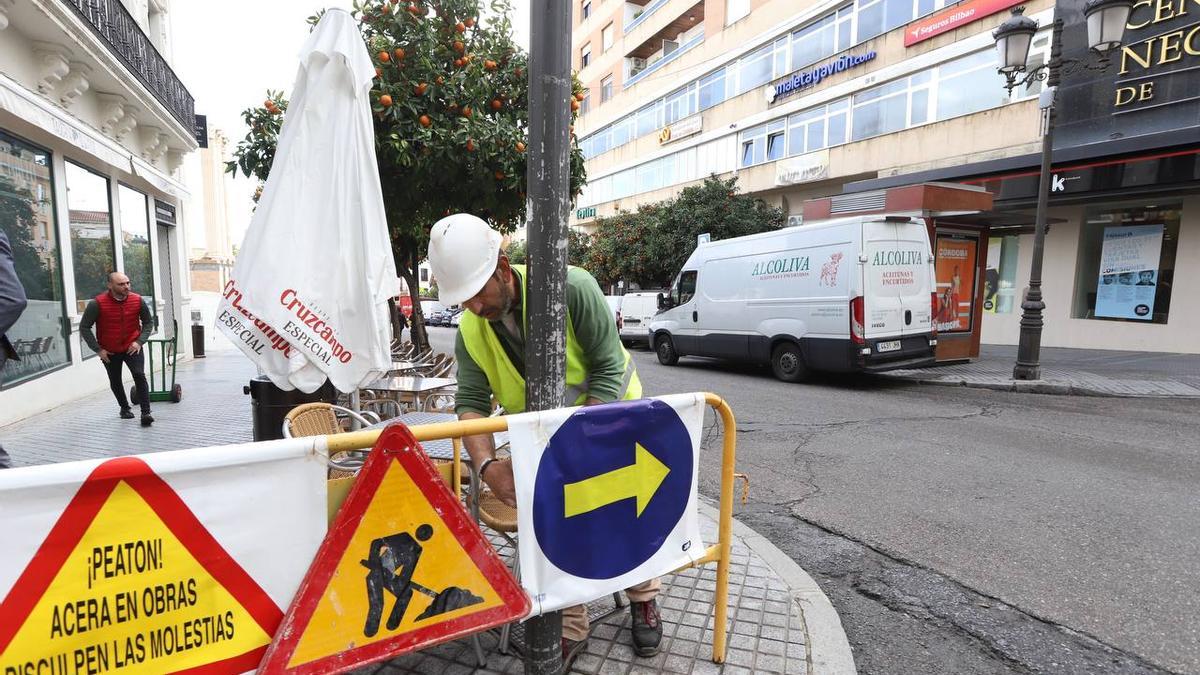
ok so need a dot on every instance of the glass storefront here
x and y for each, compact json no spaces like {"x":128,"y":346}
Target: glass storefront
{"x":1127,"y":263}
{"x":1000,"y":275}
{"x":92,"y":252}
{"x":135,"y":242}
{"x":27,"y":218}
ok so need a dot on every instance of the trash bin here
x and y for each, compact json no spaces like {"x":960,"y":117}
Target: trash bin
{"x":269,"y":405}
{"x":198,"y":340}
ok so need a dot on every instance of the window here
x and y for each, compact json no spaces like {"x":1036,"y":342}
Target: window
{"x":606,"y":38}
{"x":1000,"y":276}
{"x":27,"y":218}
{"x":1126,"y":263}
{"x":685,"y":290}
{"x":586,"y":104}
{"x":679,"y":104}
{"x":712,"y":89}
{"x":135,"y":243}
{"x":969,"y":84}
{"x":586,"y":9}
{"x":755,"y":70}
{"x":648,"y":120}
{"x":759,"y":143}
{"x":870,"y":19}
{"x":585,"y":55}
{"x":92,"y":250}
{"x":606,"y":90}
{"x":736,"y":10}
{"x":775,"y":146}
{"x":424,"y":274}
{"x":814,"y":42}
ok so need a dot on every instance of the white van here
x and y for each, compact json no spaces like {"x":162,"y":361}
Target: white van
{"x":844,"y":295}
{"x":638,"y":309}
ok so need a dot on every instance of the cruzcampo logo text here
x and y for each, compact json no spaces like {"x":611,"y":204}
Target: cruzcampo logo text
{"x":780,"y":266}
{"x":897,"y":258}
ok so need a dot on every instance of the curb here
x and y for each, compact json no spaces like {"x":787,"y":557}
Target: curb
{"x":828,"y":648}
{"x":1033,"y":387}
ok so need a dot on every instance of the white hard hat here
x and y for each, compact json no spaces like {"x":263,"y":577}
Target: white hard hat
{"x":462,"y":255}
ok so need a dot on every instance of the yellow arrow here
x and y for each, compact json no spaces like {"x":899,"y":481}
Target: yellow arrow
{"x":641,"y":480}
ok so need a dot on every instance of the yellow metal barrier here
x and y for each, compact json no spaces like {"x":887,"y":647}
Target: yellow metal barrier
{"x":718,"y":553}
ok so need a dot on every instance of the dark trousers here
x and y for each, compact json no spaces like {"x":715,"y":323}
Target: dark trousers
{"x":137,"y":367}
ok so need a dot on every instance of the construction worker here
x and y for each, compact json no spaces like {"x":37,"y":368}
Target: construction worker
{"x":471,"y":270}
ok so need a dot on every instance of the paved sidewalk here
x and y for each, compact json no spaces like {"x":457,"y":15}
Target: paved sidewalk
{"x":780,"y":621}
{"x":1080,"y":372}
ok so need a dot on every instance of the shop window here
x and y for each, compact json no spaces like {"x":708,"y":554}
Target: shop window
{"x":1000,"y":275}
{"x":135,"y":243}
{"x":27,"y":218}
{"x":1126,"y":263}
{"x":90,"y":213}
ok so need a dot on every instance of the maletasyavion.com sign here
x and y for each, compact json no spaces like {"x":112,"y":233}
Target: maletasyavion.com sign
{"x":812,"y":77}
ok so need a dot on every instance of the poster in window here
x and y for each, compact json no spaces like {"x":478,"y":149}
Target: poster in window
{"x":1129,"y":272}
{"x":955,"y":265}
{"x":991,"y":276}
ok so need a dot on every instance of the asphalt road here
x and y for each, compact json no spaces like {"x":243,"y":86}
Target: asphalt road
{"x":970,"y":531}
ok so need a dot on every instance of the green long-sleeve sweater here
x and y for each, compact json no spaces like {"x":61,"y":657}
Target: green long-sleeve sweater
{"x":595,"y":331}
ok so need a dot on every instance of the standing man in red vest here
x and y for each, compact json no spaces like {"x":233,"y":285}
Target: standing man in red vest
{"x":123,"y":324}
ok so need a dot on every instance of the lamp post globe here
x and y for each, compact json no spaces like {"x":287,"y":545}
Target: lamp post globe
{"x":1106,"y":20}
{"x":1013,"y":38}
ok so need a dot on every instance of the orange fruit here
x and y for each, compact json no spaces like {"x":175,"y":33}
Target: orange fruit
{"x":499,"y":175}
{"x":460,"y":27}
{"x":385,"y":101}
{"x":580,"y":96}
{"x":459,"y":46}
{"x":424,"y":120}
{"x":520,"y":146}
{"x":496,"y":104}
{"x":419,"y":89}
{"x":470,"y":145}
{"x":470,"y":21}
{"x":574,"y":105}
{"x":399,"y":53}
{"x":385,"y":57}
{"x":440,"y":80}
{"x":466,"y":111}
{"x":489,"y":64}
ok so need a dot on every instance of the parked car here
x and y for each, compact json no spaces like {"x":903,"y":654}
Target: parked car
{"x":429,"y":308}
{"x":637,"y":311}
{"x":456,"y":318}
{"x":849,"y":294}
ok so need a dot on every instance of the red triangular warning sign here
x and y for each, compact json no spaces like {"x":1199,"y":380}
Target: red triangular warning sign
{"x":403,"y":567}
{"x":128,"y":578}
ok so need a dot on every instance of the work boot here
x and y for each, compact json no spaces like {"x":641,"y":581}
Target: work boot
{"x":147,"y":419}
{"x":571,"y":649}
{"x":647,"y":627}
{"x":126,"y":414}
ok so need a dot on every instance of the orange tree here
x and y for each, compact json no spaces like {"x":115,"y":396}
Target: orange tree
{"x":451,"y":121}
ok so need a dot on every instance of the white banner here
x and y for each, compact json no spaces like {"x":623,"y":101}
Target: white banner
{"x":156,"y":563}
{"x":606,"y":496}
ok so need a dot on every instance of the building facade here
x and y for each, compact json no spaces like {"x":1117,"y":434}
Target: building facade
{"x":212,"y":256}
{"x":802,"y":100}
{"x":94,"y":126}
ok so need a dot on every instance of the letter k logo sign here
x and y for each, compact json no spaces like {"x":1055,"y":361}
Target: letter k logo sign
{"x":1057,"y":184}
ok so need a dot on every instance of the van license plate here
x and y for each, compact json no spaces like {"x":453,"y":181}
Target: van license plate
{"x":890,"y":346}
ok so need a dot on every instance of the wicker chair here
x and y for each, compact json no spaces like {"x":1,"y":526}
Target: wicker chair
{"x":321,"y":419}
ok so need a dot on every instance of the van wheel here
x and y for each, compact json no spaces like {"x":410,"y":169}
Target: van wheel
{"x":666,"y":351}
{"x":787,"y":363}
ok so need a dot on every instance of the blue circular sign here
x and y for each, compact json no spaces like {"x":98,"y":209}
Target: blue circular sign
{"x":612,"y":484}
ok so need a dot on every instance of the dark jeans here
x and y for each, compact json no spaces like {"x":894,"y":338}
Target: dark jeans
{"x":137,"y":366}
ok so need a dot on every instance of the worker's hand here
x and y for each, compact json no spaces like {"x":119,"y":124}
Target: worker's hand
{"x":104,"y":355}
{"x":499,"y":477}
{"x":134,"y":348}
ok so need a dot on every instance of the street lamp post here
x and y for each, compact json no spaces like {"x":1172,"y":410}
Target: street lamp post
{"x":1106,"y":21}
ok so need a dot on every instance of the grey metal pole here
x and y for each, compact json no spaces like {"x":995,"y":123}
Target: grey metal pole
{"x":1029,"y":349}
{"x":548,"y":178}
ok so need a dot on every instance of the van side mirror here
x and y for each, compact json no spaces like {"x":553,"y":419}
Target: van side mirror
{"x":662,"y":302}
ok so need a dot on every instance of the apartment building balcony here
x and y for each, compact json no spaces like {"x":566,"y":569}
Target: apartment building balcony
{"x":669,"y":41}
{"x":91,"y":61}
{"x":120,"y":32}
